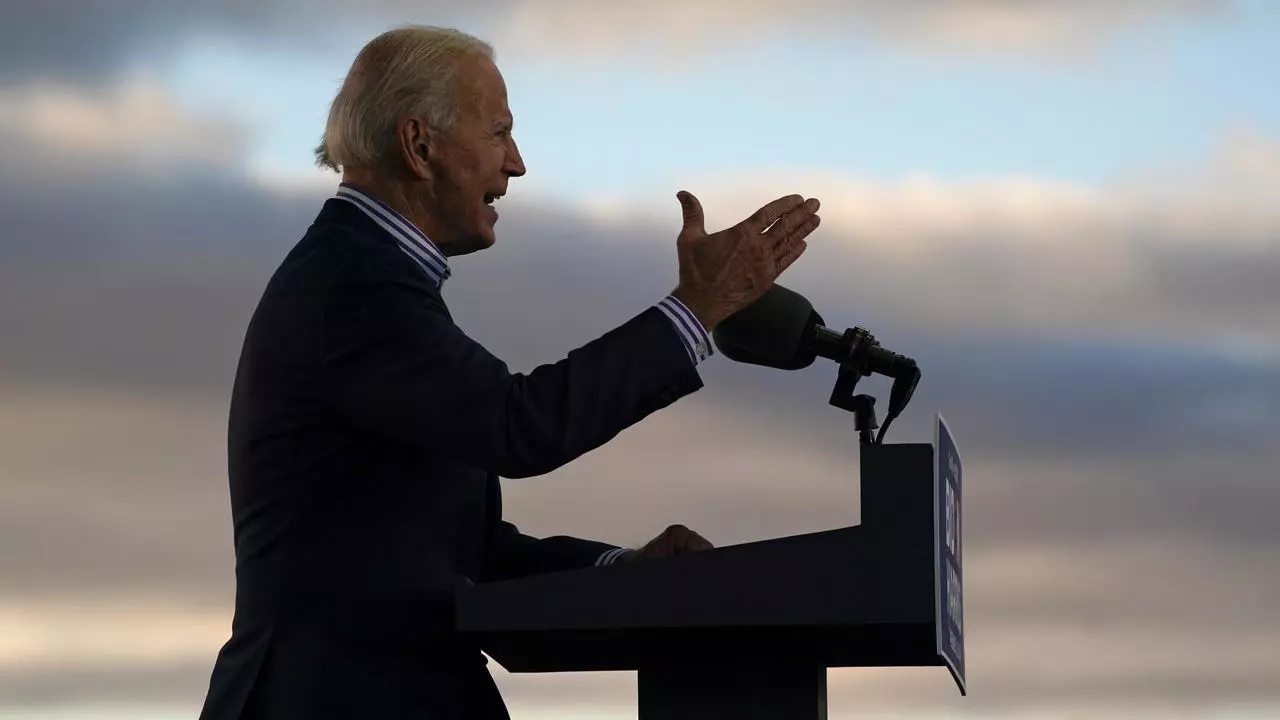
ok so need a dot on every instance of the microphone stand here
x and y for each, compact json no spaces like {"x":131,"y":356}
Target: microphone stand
{"x":852,"y":369}
{"x":864,"y":418}
{"x":853,"y":350}
{"x":863,"y":407}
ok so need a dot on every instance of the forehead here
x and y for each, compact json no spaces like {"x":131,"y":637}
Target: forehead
{"x":484,"y":90}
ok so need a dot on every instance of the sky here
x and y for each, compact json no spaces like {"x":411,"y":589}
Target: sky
{"x":1064,"y":210}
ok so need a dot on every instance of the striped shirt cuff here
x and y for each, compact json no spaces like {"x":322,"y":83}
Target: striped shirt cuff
{"x":609,"y":557}
{"x":695,"y":338}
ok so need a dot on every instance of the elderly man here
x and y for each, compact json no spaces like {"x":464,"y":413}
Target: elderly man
{"x":368,"y":432}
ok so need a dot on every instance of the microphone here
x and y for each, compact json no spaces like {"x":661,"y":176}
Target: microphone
{"x":773,"y":331}
{"x":782,"y":330}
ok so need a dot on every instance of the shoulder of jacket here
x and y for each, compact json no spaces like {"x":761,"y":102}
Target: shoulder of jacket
{"x":355,"y":257}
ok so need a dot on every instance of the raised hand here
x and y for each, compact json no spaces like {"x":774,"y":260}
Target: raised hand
{"x":723,"y":272}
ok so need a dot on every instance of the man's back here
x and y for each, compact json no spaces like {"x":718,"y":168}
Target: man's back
{"x":366,"y":433}
{"x":326,"y":510}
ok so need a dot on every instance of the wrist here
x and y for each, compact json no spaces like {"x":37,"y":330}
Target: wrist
{"x":700,"y":309}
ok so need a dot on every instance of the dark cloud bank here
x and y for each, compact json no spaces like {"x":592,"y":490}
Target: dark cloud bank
{"x":72,"y":40}
{"x":142,"y":292}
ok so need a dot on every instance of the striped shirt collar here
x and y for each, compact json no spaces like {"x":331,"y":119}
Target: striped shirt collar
{"x":413,"y":241}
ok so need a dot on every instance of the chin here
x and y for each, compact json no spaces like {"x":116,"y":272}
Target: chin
{"x":475,"y":243}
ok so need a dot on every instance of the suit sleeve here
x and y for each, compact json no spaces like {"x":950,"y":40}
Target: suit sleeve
{"x":394,"y":363}
{"x":517,"y":555}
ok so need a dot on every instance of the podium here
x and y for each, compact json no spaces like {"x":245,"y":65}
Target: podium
{"x":748,"y":631}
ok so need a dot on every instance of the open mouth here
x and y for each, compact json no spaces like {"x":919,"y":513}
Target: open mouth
{"x":491,"y":198}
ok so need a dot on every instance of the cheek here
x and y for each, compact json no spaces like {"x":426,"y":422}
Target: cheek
{"x":472,"y":178}
{"x":455,"y":175}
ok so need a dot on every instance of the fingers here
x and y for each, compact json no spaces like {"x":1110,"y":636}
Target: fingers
{"x":691,"y":209}
{"x":792,"y":221}
{"x":673,"y":540}
{"x":681,"y":538}
{"x":782,"y":245}
{"x":765,"y":216}
{"x":784,"y":242}
{"x":696,"y":542}
{"x":785,"y":260}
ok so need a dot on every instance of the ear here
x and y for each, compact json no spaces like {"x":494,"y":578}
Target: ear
{"x":414,"y":140}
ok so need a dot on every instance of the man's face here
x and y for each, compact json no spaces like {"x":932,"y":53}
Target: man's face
{"x":472,"y":162}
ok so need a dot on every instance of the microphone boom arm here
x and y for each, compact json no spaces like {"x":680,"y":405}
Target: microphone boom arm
{"x":782,"y":330}
{"x":859,"y":355}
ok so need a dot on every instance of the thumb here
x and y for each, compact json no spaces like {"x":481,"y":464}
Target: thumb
{"x":692,"y":211}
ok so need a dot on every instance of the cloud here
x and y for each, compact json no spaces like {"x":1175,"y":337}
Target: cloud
{"x":1119,"y":457}
{"x":139,"y":632}
{"x":65,"y":39}
{"x":59,"y":129}
{"x":1085,"y":581}
{"x":1049,"y":318}
{"x":1101,"y":626}
{"x":164,"y":305}
{"x":69,"y":40}
{"x":1107,"y":571}
{"x":111,"y":493}
{"x":680,"y":30}
{"x":1190,"y":252}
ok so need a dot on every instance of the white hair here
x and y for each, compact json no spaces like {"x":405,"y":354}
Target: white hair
{"x":411,"y":70}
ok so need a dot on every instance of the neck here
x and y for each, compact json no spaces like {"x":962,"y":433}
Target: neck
{"x":403,"y":197}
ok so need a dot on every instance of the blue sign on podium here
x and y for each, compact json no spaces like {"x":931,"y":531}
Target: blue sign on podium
{"x":948,"y":552}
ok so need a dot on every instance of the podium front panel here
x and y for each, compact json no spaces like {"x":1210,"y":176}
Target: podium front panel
{"x":948,"y":552}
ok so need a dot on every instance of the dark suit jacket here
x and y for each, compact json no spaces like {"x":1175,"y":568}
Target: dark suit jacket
{"x":367,"y":434}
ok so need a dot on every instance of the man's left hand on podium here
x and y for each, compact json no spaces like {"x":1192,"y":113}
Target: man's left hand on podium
{"x":673,"y":541}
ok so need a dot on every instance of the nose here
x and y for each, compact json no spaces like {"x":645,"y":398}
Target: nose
{"x":515,"y":164}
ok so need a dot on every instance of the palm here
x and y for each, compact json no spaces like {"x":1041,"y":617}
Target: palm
{"x":735,"y":266}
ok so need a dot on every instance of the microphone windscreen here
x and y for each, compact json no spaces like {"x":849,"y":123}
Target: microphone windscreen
{"x":770,"y":332}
